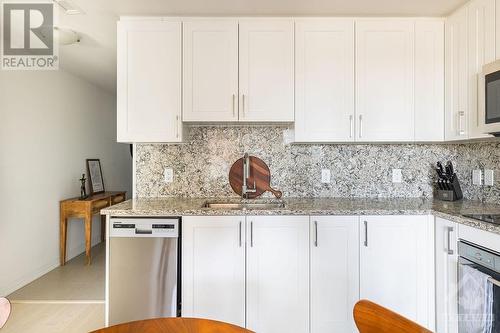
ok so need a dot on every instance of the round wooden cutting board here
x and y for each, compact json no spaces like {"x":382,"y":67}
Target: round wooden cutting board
{"x":259,"y":174}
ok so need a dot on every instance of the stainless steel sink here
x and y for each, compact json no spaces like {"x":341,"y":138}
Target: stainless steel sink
{"x":244,"y":205}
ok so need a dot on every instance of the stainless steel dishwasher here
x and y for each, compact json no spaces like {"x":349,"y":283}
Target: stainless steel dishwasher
{"x":144,"y":268}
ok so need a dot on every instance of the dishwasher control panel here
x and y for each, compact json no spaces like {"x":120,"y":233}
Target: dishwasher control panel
{"x":144,"y":227}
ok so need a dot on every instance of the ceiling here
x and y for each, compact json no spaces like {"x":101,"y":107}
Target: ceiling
{"x":94,"y":58}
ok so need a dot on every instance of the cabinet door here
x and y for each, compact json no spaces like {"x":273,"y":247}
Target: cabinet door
{"x":481,"y":47}
{"x":429,"y":80}
{"x":266,"y":70}
{"x":334,"y":282}
{"x":278,"y":274}
{"x":396,"y":265}
{"x":456,"y":76}
{"x":213,"y":268}
{"x":149,"y":81}
{"x":446,"y":276}
{"x":385,"y":80}
{"x":210,"y":70}
{"x":324,"y":80}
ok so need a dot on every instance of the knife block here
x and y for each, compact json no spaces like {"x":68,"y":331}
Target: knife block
{"x":453,"y":194}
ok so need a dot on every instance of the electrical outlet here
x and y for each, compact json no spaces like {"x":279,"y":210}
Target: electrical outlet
{"x":397,"y":176}
{"x":489,"y":176}
{"x":477,"y":177}
{"x":168,"y":175}
{"x":325,"y":176}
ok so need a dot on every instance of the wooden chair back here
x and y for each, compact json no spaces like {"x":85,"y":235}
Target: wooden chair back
{"x":373,"y":318}
{"x":174,"y":325}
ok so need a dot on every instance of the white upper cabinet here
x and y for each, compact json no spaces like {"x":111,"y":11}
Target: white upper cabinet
{"x":149,"y":81}
{"x":429,"y":80}
{"x":456,"y":90}
{"x":266,"y":70}
{"x":324,"y":80}
{"x":397,"y":266}
{"x":210,"y":70}
{"x":385,"y":80}
{"x":481,"y":47}
{"x":334,"y":283}
{"x":213,"y":268}
{"x":278,"y":274}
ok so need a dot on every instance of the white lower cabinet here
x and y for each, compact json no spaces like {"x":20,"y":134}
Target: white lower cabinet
{"x":446,"y":276}
{"x":278,"y":274}
{"x":396,"y":265}
{"x":334,"y":273}
{"x":213,"y":268}
{"x":301,"y":274}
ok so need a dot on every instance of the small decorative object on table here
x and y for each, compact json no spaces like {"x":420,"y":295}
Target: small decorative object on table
{"x":448,"y":185}
{"x":83,"y":191}
{"x":94,"y":172}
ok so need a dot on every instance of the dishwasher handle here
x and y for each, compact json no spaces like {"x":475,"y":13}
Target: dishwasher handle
{"x":143,"y":231}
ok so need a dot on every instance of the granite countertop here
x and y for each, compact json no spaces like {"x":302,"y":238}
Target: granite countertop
{"x":313,"y":206}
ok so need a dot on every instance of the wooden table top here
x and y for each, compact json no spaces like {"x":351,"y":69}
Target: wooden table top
{"x":95,"y":197}
{"x":174,"y":325}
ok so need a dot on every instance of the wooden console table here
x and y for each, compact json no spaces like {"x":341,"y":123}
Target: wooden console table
{"x":85,"y":209}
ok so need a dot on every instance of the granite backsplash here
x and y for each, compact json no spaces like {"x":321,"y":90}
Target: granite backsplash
{"x":201,"y":165}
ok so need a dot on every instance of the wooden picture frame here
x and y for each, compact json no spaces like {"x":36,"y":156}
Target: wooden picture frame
{"x":94,"y":172}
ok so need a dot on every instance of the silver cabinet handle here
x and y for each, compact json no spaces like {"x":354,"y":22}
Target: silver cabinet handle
{"x":243,"y":103}
{"x":461,"y":129}
{"x":360,"y":125}
{"x":234,"y":108}
{"x":177,"y":126}
{"x":316,"y":233}
{"x":366,"y":234}
{"x":251,"y":234}
{"x":449,"y":249}
{"x":351,"y":125}
{"x":239,"y":230}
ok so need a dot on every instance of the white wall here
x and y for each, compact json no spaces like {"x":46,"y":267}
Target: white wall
{"x":50,"y":122}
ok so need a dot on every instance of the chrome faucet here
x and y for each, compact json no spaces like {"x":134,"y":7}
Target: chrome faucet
{"x":246,"y":174}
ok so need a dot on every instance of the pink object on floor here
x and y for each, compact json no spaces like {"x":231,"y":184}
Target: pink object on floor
{"x":4,"y":310}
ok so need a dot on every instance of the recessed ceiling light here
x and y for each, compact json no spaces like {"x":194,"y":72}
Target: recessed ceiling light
{"x":69,"y":7}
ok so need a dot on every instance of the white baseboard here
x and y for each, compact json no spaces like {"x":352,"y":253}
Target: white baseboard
{"x":45,"y":268}
{"x":29,"y":277}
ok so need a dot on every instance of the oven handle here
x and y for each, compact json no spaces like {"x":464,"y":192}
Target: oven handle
{"x":492,"y":280}
{"x":495,"y":282}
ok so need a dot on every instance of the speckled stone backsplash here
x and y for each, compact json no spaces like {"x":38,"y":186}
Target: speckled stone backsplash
{"x":202,"y":164}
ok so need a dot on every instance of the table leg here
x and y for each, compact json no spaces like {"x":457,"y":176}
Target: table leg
{"x":88,"y":236}
{"x":63,"y":227}
{"x":103,"y":228}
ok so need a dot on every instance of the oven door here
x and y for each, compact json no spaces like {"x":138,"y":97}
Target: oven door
{"x":465,"y":313}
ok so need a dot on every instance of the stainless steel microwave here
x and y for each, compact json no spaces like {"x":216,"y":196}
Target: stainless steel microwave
{"x":489,"y":99}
